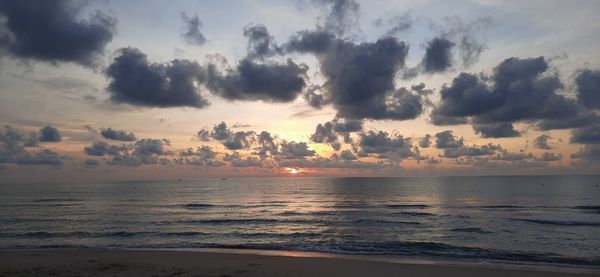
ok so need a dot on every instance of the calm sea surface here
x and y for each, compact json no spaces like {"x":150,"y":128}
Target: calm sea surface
{"x":550,"y":220}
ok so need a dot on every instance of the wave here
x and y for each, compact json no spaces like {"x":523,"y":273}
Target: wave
{"x":557,"y":222}
{"x":503,"y":207}
{"x":595,"y":209}
{"x":415,"y":213}
{"x":58,"y":200}
{"x":407,"y":206}
{"x":470,"y":230}
{"x":198,"y":205}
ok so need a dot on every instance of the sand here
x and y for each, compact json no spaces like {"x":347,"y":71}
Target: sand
{"x":188,"y":263}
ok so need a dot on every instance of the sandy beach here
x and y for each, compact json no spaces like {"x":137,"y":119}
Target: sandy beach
{"x":187,"y":263}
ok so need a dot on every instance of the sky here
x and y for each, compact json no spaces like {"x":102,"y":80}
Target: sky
{"x":131,"y":90}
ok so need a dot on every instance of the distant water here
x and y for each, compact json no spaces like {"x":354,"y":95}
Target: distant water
{"x":529,"y":220}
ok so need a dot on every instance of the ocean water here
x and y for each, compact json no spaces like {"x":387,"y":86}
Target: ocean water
{"x":531,"y":220}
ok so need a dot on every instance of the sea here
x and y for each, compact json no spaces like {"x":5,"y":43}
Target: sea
{"x":546,"y":221}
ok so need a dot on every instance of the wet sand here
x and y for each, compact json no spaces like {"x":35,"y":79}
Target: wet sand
{"x":221,"y":264}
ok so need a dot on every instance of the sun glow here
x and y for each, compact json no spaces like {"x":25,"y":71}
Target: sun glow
{"x":292,"y":170}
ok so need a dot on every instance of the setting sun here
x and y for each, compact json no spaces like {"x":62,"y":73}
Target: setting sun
{"x":292,"y":170}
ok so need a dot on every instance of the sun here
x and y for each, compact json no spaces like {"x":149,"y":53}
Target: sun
{"x":292,"y":170}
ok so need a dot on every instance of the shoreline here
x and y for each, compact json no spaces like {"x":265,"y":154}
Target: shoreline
{"x":247,"y":262}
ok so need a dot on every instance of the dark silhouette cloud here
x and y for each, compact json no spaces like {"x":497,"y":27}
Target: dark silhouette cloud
{"x":438,"y":55}
{"x":203,"y":135}
{"x":360,"y":77}
{"x":251,"y":81}
{"x":496,"y":130}
{"x":425,"y":142}
{"x":267,"y":145}
{"x":191,"y":33}
{"x":386,"y":145}
{"x":135,"y":81}
{"x":100,"y":148}
{"x":472,"y":151}
{"x":13,"y":150}
{"x":296,"y":150}
{"x":202,"y":156}
{"x":541,"y":142}
{"x":232,"y":140}
{"x":324,"y":133}
{"x":54,"y":31}
{"x":348,"y":155}
{"x":588,"y":88}
{"x":117,"y":135}
{"x":518,"y":90}
{"x":446,"y":140}
{"x":50,"y":134}
{"x":586,"y":135}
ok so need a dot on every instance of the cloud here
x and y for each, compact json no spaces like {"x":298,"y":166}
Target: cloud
{"x":54,"y":31}
{"x":497,"y":130}
{"x":50,"y":134}
{"x":232,"y":140}
{"x":549,"y":157}
{"x":347,"y":155}
{"x":342,"y":17}
{"x":191,"y":33}
{"x":252,"y":81}
{"x":203,"y":135}
{"x":360,"y":77}
{"x":14,"y":149}
{"x":117,"y":135}
{"x":399,"y":24}
{"x":446,"y":140}
{"x":465,"y":35}
{"x":425,"y":142}
{"x":136,"y":81}
{"x":588,"y":88}
{"x":519,"y":90}
{"x":202,"y":156}
{"x":588,"y":153}
{"x":296,"y":150}
{"x":90,"y":163}
{"x":324,"y":133}
{"x":438,"y":55}
{"x":541,"y":142}
{"x":100,"y":148}
{"x":586,"y":135}
{"x":472,"y":151}
{"x":385,"y":145}
{"x":267,"y":145}
{"x":260,"y":43}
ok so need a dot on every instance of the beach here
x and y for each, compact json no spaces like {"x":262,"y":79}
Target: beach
{"x":198,"y":263}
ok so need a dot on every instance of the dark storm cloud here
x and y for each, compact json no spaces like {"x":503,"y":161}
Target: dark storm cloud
{"x":296,"y":150}
{"x":136,"y":81}
{"x":383,"y":143}
{"x":541,"y":142}
{"x":425,"y":142}
{"x":586,"y":135}
{"x":50,"y":134}
{"x":438,"y":55}
{"x":117,"y":135}
{"x":518,"y":90}
{"x":191,"y":33}
{"x":261,"y":43}
{"x":13,"y":149}
{"x":360,"y":77}
{"x":54,"y":31}
{"x":588,"y":88}
{"x":251,"y":81}
{"x":446,"y":139}
{"x":496,"y":130}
